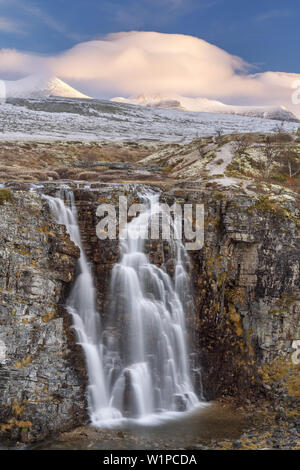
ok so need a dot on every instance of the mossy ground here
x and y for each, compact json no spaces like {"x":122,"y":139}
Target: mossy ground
{"x":5,"y":196}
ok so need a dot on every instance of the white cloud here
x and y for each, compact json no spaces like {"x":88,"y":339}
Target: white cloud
{"x":9,"y":26}
{"x":46,"y":19}
{"x":273,"y":14}
{"x":32,"y":14}
{"x":155,"y":63}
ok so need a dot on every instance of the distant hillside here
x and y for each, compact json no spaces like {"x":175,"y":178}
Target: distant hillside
{"x":205,"y":105}
{"x":40,"y":86}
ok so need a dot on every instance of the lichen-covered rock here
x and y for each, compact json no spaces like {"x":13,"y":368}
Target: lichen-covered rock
{"x":247,"y":287}
{"x":42,"y":372}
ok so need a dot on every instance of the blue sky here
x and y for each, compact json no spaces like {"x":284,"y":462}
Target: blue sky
{"x":264,"y":33}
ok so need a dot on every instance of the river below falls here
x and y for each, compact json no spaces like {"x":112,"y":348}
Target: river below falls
{"x":206,"y":426}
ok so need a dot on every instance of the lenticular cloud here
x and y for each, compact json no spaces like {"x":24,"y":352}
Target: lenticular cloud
{"x":154,"y":63}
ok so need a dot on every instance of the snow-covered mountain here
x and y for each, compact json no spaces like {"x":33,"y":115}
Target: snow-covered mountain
{"x":155,"y":101}
{"x":70,"y":115}
{"x":40,"y":86}
{"x":96,"y":120}
{"x":205,"y":105}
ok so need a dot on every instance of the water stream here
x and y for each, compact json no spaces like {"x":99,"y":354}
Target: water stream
{"x":138,"y":364}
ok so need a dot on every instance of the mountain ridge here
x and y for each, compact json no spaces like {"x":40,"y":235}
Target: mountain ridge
{"x":46,"y":86}
{"x":206,"y":105}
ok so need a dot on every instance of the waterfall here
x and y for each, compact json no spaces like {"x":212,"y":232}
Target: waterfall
{"x":138,"y":364}
{"x":147,"y":364}
{"x":81,"y":304}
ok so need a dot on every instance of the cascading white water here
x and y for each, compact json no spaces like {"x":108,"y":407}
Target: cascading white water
{"x":138,"y":365}
{"x":147,"y":364}
{"x":81,"y":305}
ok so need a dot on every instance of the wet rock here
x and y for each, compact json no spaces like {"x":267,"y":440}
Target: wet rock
{"x":237,"y":444}
{"x":201,"y":447}
{"x":180,"y":403}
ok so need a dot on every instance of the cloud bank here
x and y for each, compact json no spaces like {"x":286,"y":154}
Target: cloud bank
{"x":155,"y":63}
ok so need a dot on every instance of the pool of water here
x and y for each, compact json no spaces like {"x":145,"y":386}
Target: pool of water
{"x":206,"y":426}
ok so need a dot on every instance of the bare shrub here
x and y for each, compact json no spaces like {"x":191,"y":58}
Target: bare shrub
{"x":219,"y":132}
{"x":241,"y":144}
{"x":88,"y":175}
{"x":281,"y":135}
{"x":68,"y":173}
{"x":290,"y":161}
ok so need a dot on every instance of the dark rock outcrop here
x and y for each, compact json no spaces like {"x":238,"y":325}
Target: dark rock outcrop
{"x":42,"y":371}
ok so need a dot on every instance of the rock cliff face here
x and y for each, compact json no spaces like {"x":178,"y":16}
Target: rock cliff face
{"x":242,"y":322}
{"x":246,"y":312}
{"x":247,"y":295}
{"x":42,"y":373}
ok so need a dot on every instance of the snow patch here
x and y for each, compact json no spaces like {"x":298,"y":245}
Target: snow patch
{"x":225,"y":156}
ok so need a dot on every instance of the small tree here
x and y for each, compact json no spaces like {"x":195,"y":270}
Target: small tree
{"x":279,"y":128}
{"x":271,"y":153}
{"x":291,"y":161}
{"x":219,"y":132}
